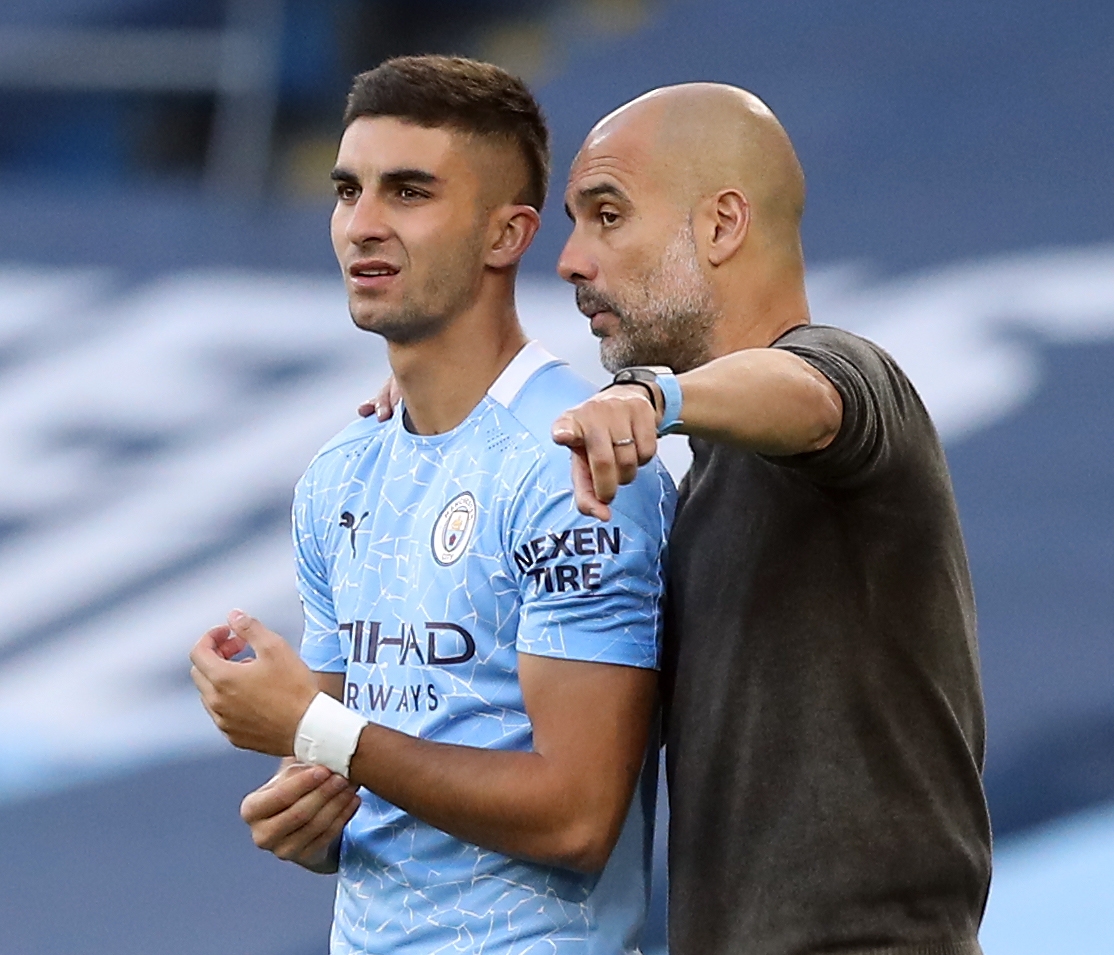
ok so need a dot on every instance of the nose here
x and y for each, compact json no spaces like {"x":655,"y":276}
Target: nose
{"x":367,"y":222}
{"x":575,"y":264}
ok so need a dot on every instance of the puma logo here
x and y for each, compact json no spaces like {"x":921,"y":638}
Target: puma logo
{"x":348,"y":519}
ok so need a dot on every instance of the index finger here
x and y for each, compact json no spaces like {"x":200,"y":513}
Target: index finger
{"x":567,"y":431}
{"x":586,"y":501}
{"x":206,"y":653}
{"x":602,"y":463}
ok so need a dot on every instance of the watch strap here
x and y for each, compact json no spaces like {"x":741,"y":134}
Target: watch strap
{"x":647,"y":376}
{"x":671,"y":392}
{"x":641,"y":383}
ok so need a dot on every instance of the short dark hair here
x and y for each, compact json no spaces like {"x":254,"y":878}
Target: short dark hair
{"x":465,"y":95}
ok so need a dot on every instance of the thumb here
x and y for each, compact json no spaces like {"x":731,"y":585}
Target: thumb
{"x":257,"y":636}
{"x":567,"y":431}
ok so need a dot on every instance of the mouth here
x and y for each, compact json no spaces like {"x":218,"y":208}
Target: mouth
{"x":602,"y":322}
{"x":371,"y":274}
{"x":594,"y":305}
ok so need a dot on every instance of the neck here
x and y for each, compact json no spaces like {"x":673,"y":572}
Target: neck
{"x":444,"y":377}
{"x":760,"y":307}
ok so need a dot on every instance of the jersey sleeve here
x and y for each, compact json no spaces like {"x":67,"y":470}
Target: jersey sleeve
{"x":590,"y":590}
{"x":321,"y":648}
{"x":884,"y":421}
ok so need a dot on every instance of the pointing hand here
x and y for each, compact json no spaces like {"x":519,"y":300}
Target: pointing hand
{"x":610,"y":435}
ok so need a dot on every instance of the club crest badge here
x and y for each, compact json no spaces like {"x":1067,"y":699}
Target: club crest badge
{"x":453,"y":529}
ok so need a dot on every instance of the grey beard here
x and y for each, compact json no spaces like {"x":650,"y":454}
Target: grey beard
{"x":679,"y":341}
{"x":671,"y":322}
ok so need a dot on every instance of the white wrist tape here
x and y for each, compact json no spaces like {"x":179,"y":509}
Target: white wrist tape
{"x":328,"y":733}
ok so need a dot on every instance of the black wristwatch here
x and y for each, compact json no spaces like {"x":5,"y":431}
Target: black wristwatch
{"x":647,"y":376}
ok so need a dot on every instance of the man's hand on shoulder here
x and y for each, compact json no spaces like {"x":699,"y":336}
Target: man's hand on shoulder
{"x":383,"y":404}
{"x":256,"y":703}
{"x":299,"y":814}
{"x":610,"y":435}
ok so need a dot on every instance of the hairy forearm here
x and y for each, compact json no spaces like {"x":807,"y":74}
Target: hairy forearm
{"x":518,"y":803}
{"x":764,"y":399}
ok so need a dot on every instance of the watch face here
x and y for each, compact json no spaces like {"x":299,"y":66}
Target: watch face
{"x":641,"y":373}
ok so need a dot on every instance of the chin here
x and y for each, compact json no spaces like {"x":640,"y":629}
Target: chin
{"x":610,"y":361}
{"x":398,"y":328}
{"x":364,"y":322}
{"x":616,"y":354}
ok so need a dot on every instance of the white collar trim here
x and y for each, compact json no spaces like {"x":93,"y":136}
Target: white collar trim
{"x":530,"y":358}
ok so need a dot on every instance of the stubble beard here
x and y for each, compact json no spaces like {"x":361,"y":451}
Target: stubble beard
{"x":402,"y":326}
{"x":666,"y":316}
{"x":447,"y":292}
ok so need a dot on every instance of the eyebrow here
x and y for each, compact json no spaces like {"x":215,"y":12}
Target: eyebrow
{"x":396,"y":177}
{"x":393,"y":177}
{"x":603,"y":190}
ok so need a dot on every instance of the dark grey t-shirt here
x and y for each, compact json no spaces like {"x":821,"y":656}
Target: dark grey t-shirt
{"x":824,"y":715}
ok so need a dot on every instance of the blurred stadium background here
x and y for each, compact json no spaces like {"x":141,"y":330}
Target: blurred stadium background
{"x":174,"y":346}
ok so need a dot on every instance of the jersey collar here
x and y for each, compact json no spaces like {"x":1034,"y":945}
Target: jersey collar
{"x":531,"y":357}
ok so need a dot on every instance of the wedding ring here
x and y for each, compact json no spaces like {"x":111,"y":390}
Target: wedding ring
{"x":623,"y":442}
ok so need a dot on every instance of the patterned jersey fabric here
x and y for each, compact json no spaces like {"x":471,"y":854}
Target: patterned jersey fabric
{"x":425,"y":565}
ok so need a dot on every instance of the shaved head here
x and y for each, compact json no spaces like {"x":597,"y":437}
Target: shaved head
{"x":699,"y":138}
{"x":686,"y":205}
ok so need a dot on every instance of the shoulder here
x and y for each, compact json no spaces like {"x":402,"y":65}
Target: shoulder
{"x":885,"y":426}
{"x":828,"y":338}
{"x":351,"y":444}
{"x":530,"y":394}
{"x":359,"y":433}
{"x":823,"y":345}
{"x":552,"y":390}
{"x":863,"y":372}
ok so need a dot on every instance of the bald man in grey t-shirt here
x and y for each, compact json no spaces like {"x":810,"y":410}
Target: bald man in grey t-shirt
{"x":825,"y":724}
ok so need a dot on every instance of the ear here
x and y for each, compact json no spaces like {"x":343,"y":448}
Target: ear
{"x":727,"y":220}
{"x":513,"y":229}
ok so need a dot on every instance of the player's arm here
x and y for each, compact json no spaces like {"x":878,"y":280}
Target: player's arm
{"x":562,"y":804}
{"x":766,"y":400}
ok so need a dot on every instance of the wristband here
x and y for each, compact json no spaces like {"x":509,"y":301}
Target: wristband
{"x":671,"y":394}
{"x":327,"y":734}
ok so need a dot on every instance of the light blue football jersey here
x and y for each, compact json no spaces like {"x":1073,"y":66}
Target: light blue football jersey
{"x":426,"y":563}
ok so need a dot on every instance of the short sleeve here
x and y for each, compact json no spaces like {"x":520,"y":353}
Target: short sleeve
{"x":321,"y":649}
{"x":882,"y":413}
{"x":590,"y":590}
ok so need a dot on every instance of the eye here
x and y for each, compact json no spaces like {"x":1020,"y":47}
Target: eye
{"x":346,"y":192}
{"x":608,"y":218}
{"x":410,"y":194}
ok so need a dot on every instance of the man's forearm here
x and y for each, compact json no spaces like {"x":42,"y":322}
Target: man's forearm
{"x":563,"y":803}
{"x":764,"y":399}
{"x":517,"y":803}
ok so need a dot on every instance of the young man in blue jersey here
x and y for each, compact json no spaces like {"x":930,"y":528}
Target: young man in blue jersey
{"x":471,"y":719}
